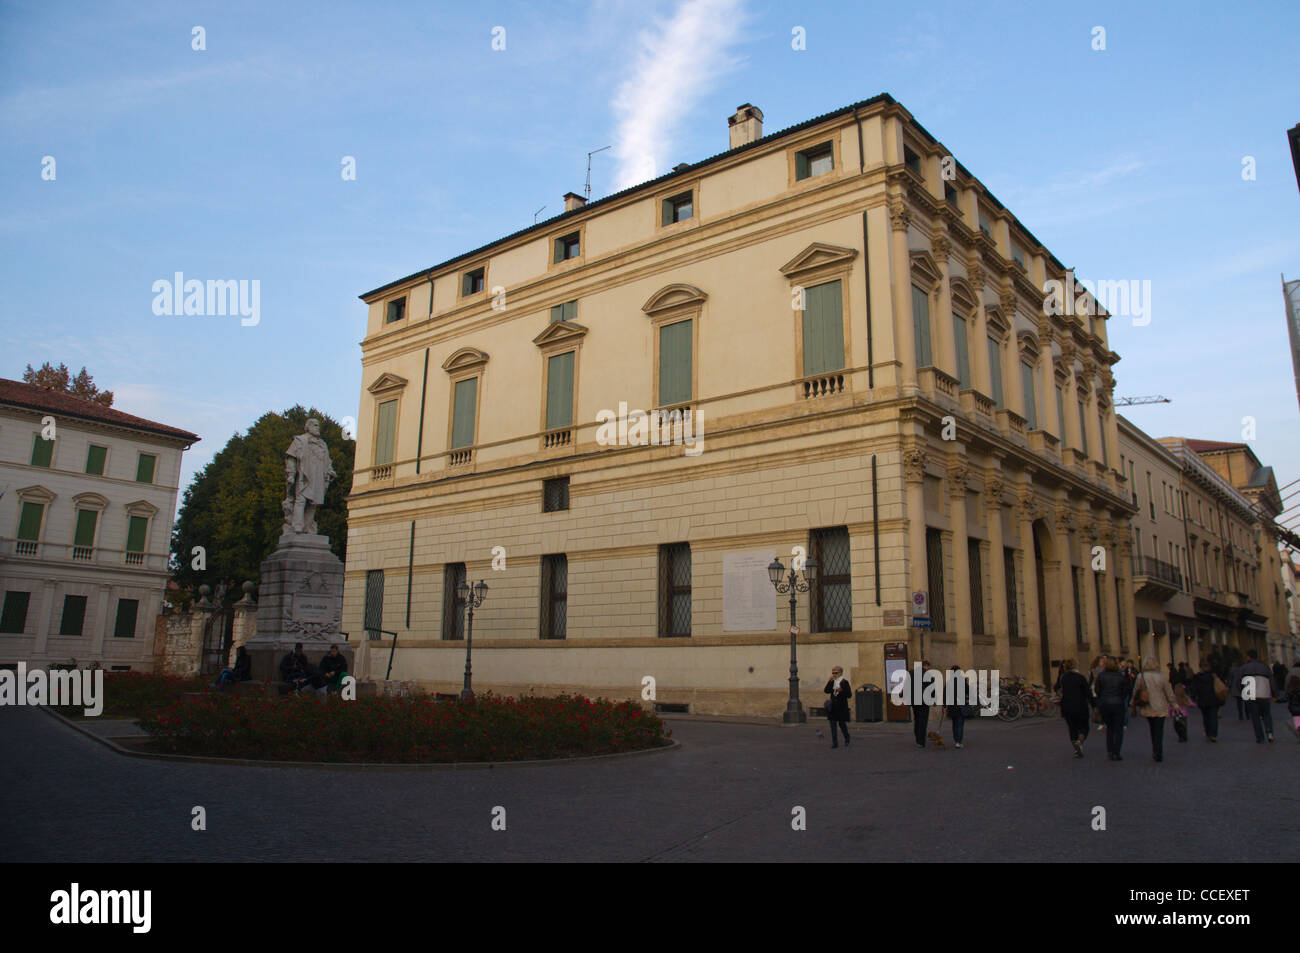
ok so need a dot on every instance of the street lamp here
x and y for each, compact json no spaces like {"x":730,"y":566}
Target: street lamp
{"x":471,"y":597}
{"x":794,"y":713}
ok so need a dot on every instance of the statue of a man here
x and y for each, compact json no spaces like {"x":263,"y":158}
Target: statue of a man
{"x":308,"y":472}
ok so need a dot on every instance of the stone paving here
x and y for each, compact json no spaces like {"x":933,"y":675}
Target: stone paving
{"x":1015,"y":793}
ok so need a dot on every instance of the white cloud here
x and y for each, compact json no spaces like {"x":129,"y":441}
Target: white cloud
{"x":676,"y":60}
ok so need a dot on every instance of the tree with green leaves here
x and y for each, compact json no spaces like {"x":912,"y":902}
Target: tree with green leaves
{"x":61,"y":379}
{"x":232,"y":507}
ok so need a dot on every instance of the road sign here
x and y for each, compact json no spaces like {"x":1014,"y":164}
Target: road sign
{"x":920,"y":603}
{"x":921,"y":622}
{"x":794,"y":630}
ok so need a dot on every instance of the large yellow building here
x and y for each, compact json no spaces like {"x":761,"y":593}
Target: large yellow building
{"x":852,"y":329}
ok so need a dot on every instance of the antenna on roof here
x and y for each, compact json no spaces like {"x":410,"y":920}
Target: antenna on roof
{"x":1131,"y":401}
{"x":587,"y":190}
{"x":537,"y":213}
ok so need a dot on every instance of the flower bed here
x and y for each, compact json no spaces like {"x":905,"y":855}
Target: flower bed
{"x":404,"y":730}
{"x":135,"y":694}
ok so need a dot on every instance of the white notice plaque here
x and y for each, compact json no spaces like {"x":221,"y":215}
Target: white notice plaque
{"x":748,"y":599}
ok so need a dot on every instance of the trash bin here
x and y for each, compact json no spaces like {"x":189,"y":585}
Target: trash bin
{"x":869,"y":704}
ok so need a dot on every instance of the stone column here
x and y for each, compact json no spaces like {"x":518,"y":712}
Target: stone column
{"x":958,"y":470}
{"x":914,"y":473}
{"x":904,"y":335}
{"x":1011,"y":389}
{"x":1124,"y":572}
{"x":997,"y":572}
{"x":1047,"y":414}
{"x":946,"y":350}
{"x":44,"y":604}
{"x":245,"y":621}
{"x":1092,"y":411}
{"x":977,"y":343}
{"x":1069,"y":427}
{"x":1092,"y":626}
{"x":1066,"y":640}
{"x":1028,"y":512}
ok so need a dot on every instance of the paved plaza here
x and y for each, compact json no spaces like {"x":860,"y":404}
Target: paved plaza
{"x":1015,"y":793}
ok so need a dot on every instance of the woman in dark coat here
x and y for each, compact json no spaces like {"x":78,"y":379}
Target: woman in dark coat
{"x":1207,"y":702}
{"x":1112,"y":689}
{"x":839,"y":690}
{"x":1076,"y":704}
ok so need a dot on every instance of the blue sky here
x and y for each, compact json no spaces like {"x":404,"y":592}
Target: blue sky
{"x":225,"y":163}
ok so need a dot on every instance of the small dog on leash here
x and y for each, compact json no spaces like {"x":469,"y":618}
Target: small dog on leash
{"x":937,"y":739}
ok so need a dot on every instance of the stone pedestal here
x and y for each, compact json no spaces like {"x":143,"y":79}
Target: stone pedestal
{"x":300,"y":599}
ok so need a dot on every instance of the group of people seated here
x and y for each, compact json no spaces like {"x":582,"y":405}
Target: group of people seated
{"x":296,"y":672}
{"x":300,"y":675}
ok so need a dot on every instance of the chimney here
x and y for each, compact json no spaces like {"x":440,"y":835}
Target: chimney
{"x":572,"y":201}
{"x":746,"y":125}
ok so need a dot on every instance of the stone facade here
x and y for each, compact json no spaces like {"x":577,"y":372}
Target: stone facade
{"x":878,"y":381}
{"x":85,"y":529}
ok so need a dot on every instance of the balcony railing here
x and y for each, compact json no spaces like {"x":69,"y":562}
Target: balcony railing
{"x":557,"y":438}
{"x":459,"y":458}
{"x":382,"y":472}
{"x":972,"y":401}
{"x":134,"y":559}
{"x":1153,"y":568}
{"x":823,"y":385}
{"x":935,"y":382}
{"x":83,"y":553}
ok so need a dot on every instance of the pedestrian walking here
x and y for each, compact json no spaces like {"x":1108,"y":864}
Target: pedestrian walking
{"x":1260,"y":706}
{"x":1129,"y":671}
{"x":1076,"y":704}
{"x":1234,"y":689}
{"x":1279,"y":680}
{"x":958,"y":693}
{"x":1111,"y":690}
{"x":837,"y":706}
{"x":920,"y":710}
{"x":1209,"y":693}
{"x":1184,"y":673}
{"x":1153,"y":699}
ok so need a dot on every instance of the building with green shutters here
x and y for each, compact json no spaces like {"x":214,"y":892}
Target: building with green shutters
{"x":89,"y":493}
{"x":837,"y":343}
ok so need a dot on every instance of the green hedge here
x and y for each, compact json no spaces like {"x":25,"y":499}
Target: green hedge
{"x":388,"y":729}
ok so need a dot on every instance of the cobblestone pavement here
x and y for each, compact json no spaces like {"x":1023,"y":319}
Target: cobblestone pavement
{"x":1015,"y":793}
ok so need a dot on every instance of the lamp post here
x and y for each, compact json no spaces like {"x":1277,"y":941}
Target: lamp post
{"x":471,"y":597}
{"x":794,"y":713}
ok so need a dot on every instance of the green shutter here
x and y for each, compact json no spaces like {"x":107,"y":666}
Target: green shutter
{"x":568,"y":311}
{"x":559,"y":391}
{"x":963,"y":354}
{"x":42,"y":452}
{"x":85,"y":533}
{"x":667,"y":217}
{"x":995,"y":372}
{"x":124,"y":625}
{"x":95,"y":460}
{"x":800,"y":166}
{"x":1031,"y":402}
{"x":462,"y":421}
{"x":13,"y":617}
{"x":74,"y":615}
{"x":921,"y":326}
{"x":144,"y":468}
{"x":675,"y":363}
{"x":559,"y":250}
{"x":557,"y":313}
{"x":29,"y":523}
{"x":823,"y":329}
{"x":135,"y":534}
{"x":385,"y":433}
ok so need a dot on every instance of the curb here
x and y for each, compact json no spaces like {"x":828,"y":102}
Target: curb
{"x":674,"y":745}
